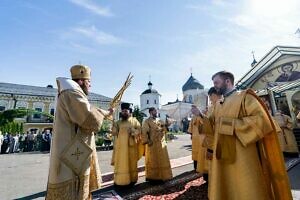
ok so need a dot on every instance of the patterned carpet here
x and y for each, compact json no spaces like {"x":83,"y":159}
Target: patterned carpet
{"x":188,"y":185}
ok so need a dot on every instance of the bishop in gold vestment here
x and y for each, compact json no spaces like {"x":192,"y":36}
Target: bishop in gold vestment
{"x":247,"y":161}
{"x":74,"y":170}
{"x":157,"y":162}
{"x":127,"y":132}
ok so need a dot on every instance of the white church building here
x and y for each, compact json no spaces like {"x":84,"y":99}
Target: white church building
{"x":149,"y":98}
{"x":180,"y":111}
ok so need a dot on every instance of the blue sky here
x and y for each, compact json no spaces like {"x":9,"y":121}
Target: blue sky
{"x":41,"y":40}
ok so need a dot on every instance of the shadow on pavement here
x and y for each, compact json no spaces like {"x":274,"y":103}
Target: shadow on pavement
{"x":187,"y":147}
{"x":33,"y":196}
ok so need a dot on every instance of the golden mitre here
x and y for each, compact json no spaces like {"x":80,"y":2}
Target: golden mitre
{"x":80,"y":72}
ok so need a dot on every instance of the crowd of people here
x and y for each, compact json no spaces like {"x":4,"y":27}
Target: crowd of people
{"x":25,"y":142}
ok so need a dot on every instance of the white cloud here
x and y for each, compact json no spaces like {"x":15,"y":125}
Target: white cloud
{"x":88,"y":37}
{"x":96,"y":35}
{"x":219,"y":2}
{"x":94,"y":8}
{"x":197,"y":7}
{"x":82,"y":48}
{"x":274,"y":20}
{"x":253,"y":25}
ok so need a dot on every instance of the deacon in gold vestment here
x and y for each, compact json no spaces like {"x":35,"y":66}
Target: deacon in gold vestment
{"x":247,"y":161}
{"x":74,"y":170}
{"x":127,"y":146}
{"x":157,"y":162}
{"x":207,"y":144}
{"x":198,"y":136}
{"x":286,"y":124}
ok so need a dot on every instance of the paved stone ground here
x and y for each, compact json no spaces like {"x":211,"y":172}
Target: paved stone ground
{"x":24,"y":175}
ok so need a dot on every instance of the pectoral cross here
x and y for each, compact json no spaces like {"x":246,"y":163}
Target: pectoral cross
{"x":77,"y":153}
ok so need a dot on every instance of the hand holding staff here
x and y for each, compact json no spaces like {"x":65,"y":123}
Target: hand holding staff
{"x":117,"y":99}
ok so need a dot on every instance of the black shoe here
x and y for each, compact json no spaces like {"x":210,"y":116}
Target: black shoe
{"x":122,"y":187}
{"x":154,"y":181}
{"x":205,"y":177}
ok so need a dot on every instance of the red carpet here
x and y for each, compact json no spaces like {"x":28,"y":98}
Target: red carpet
{"x":191,"y":190}
{"x":188,"y":185}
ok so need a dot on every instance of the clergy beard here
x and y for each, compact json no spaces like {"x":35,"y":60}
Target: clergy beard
{"x":154,"y":115}
{"x":84,"y":89}
{"x":124,"y":116}
{"x":222,"y":90}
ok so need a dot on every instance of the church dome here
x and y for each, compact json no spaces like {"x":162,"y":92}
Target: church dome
{"x":191,"y":84}
{"x":150,"y":90}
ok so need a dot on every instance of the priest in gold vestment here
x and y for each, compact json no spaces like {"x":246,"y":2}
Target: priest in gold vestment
{"x":198,"y":148}
{"x":247,"y":161}
{"x":74,"y":170}
{"x":157,"y":162}
{"x":126,"y":153}
{"x":279,"y":132}
{"x":286,"y":124}
{"x":208,"y":141}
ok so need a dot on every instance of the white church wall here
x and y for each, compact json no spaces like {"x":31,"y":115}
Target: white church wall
{"x":177,"y":111}
{"x":150,"y":100}
{"x":197,"y":97}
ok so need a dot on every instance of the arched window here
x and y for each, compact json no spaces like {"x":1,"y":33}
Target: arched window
{"x":154,"y":101}
{"x":190,"y":99}
{"x":38,"y":106}
{"x":147,"y":101}
{"x":37,"y":115}
{"x":52,"y":111}
{"x":22,"y":104}
{"x":3,"y":105}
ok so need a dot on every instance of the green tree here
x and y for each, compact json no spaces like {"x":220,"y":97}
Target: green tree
{"x":138,"y":114}
{"x":8,"y":116}
{"x":105,"y":126}
{"x":21,"y":128}
{"x":13,"y":127}
{"x":17,"y":127}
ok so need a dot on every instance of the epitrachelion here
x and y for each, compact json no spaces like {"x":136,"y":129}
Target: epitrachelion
{"x":75,"y":154}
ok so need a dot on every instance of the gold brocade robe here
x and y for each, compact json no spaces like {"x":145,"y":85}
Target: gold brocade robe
{"x":126,"y":152}
{"x":247,"y":161}
{"x":286,"y":125}
{"x":73,"y":140}
{"x":195,"y":129}
{"x":209,"y":134}
{"x":280,"y":135}
{"x":157,"y":162}
{"x":198,"y":146}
